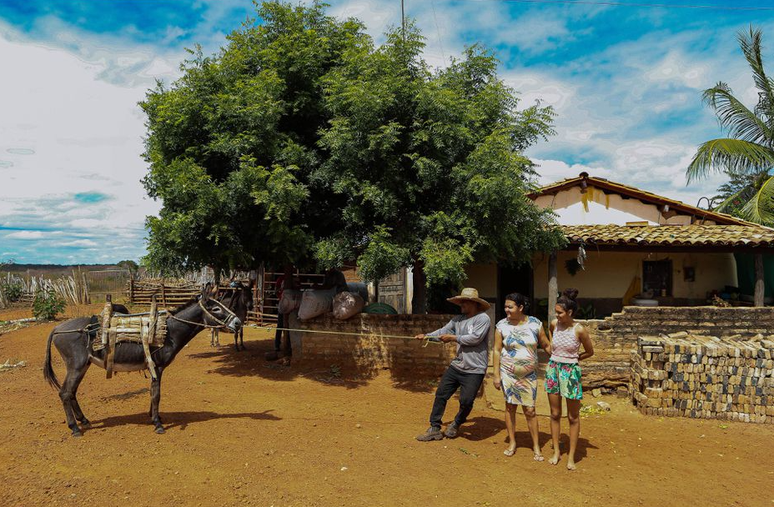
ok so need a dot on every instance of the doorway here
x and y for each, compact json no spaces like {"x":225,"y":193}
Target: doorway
{"x":513,"y":278}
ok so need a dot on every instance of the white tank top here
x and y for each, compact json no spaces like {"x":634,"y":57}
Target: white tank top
{"x":565,"y":345}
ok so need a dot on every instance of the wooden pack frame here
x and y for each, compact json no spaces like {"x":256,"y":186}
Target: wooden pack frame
{"x":149,"y":329}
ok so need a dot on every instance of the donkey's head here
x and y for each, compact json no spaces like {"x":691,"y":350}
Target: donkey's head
{"x":215,"y":313}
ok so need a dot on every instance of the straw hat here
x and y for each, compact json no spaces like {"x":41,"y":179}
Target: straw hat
{"x":469,"y":294}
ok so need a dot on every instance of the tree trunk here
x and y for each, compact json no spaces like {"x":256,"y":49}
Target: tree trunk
{"x":419,"y":301}
{"x":759,"y":283}
{"x":553,"y":287}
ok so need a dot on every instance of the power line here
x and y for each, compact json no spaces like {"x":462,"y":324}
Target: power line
{"x":627,"y":4}
{"x":438,"y":29}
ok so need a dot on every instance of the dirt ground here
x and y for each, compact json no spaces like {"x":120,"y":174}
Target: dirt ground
{"x":241,"y":431}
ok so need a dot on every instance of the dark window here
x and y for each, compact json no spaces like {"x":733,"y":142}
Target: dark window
{"x":657,"y":276}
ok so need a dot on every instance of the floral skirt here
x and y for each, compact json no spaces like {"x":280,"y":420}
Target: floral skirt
{"x":564,"y":379}
{"x":519,"y":383}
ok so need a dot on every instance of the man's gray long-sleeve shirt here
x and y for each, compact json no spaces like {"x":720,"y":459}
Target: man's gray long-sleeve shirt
{"x":472,"y":343}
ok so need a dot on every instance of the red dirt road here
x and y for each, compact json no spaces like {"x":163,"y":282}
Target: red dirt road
{"x":241,"y":431}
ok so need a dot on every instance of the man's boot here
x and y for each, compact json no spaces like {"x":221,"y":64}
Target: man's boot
{"x":451,"y":430}
{"x":432,"y":433}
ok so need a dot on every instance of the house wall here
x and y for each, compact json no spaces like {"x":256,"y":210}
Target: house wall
{"x":482,"y":277}
{"x":609,"y":274}
{"x":595,"y":207}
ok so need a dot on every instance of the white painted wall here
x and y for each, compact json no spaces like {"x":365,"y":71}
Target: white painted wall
{"x":597,"y":208}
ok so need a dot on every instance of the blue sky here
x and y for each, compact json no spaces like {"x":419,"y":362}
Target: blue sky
{"x":626,"y":82}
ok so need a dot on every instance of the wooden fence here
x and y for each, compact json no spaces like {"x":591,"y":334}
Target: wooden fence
{"x":168,"y":292}
{"x":73,"y":289}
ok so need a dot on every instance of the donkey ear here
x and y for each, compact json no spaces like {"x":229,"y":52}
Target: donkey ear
{"x":205,"y":295}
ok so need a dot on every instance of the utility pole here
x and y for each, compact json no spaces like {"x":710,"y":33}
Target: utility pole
{"x":403,"y":20}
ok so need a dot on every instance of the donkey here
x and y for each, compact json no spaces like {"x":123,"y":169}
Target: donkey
{"x":240,"y":301}
{"x":73,"y":340}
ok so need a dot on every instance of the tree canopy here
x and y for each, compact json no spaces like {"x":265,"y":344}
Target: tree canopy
{"x":302,"y":141}
{"x":747,"y":156}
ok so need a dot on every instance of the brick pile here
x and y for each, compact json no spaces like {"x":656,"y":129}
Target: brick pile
{"x":704,"y":377}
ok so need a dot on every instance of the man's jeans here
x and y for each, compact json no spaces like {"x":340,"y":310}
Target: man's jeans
{"x":469,"y":384}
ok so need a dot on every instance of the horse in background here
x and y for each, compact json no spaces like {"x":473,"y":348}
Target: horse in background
{"x":240,"y":301}
{"x":73,"y":339}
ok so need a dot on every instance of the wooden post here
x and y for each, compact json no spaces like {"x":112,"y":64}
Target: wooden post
{"x":553,"y":287}
{"x":759,"y":284}
{"x":131,"y":291}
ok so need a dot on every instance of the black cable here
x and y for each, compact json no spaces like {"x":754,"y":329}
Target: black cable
{"x":627,"y":4}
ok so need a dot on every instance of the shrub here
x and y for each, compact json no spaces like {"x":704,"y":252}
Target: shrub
{"x":47,"y":305}
{"x":11,"y":291}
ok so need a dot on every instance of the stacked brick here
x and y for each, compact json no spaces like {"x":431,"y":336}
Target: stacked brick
{"x":704,"y":377}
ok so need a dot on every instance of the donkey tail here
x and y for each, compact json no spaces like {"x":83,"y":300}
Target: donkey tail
{"x":48,"y":371}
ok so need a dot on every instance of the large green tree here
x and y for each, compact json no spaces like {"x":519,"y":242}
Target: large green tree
{"x":232,"y":144}
{"x":302,"y":141}
{"x":431,"y":164}
{"x":747,"y":155}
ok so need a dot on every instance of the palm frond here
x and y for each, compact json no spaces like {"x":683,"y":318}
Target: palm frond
{"x":760,"y":209}
{"x":735,"y":117}
{"x":751,"y":47}
{"x":733,"y":155}
{"x":728,"y":204}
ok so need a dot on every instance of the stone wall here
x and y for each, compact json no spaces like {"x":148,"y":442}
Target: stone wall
{"x":615,"y":337}
{"x":370,"y":351}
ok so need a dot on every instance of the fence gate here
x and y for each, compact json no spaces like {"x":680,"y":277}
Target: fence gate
{"x":107,"y":281}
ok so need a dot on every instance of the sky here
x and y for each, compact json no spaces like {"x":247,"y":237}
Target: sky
{"x":625,"y":81}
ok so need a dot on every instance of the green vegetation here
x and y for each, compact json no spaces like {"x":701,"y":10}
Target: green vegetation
{"x":302,"y":142}
{"x":47,"y":305}
{"x":747,"y":156}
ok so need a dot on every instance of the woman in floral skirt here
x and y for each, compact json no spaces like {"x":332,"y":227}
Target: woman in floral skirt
{"x":515,"y":365}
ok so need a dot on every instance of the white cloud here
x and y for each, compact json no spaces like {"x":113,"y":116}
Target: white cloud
{"x":80,"y":242}
{"x":24,"y":235}
{"x":69,"y":131}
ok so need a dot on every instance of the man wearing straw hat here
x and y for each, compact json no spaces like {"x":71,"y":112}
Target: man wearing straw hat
{"x":467,"y":370}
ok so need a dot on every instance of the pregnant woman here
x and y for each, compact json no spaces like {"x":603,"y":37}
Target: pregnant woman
{"x":515,"y":365}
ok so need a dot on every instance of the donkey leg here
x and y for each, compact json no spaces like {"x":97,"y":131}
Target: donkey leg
{"x":85,"y":423}
{"x":236,"y":341}
{"x":67,"y":395}
{"x":155,"y":398}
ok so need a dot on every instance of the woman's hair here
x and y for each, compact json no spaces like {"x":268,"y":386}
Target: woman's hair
{"x":567,"y":300}
{"x":520,"y":300}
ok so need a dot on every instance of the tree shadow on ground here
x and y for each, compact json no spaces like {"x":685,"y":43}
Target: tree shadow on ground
{"x":178,"y":419}
{"x":252,"y":362}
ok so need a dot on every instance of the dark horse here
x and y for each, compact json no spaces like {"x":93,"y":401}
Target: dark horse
{"x":73,"y":340}
{"x":239,"y":299}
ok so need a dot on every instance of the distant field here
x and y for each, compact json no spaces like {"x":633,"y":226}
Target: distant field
{"x":50,"y":270}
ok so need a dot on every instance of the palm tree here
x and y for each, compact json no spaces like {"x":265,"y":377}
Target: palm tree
{"x":748,"y":153}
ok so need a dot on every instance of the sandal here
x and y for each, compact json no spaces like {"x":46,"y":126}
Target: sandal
{"x":538,"y":457}
{"x":509,"y":452}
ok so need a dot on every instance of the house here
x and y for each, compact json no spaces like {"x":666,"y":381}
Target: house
{"x":624,"y":242}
